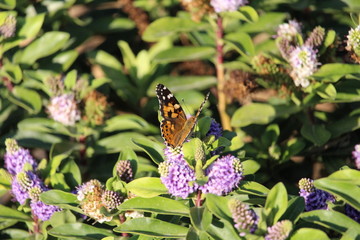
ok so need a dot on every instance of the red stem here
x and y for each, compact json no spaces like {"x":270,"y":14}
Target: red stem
{"x":122,"y":220}
{"x":198,"y":201}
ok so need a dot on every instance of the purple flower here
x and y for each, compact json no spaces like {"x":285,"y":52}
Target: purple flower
{"x":176,"y":175}
{"x":352,"y":213}
{"x":64,"y":109}
{"x":111,"y":199}
{"x":224,"y":175}
{"x":42,"y":210}
{"x":124,"y":170}
{"x":18,"y":192}
{"x":215,"y":129}
{"x":279,"y":231}
{"x":314,"y":198}
{"x":288,"y":30}
{"x":356,"y":156}
{"x":16,"y":157}
{"x":22,"y":183}
{"x":304,"y":64}
{"x":244,"y":217}
{"x":227,"y":5}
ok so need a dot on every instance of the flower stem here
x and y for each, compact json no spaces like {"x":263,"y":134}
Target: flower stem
{"x":198,"y":201}
{"x":220,"y":73}
{"x":122,"y":220}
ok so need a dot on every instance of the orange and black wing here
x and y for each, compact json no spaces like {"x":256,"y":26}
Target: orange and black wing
{"x":173,"y":115}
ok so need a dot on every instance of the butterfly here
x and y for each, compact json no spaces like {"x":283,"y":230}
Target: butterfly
{"x":175,"y":126}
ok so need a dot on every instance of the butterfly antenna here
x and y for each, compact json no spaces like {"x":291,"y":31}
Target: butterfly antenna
{"x":202,"y":105}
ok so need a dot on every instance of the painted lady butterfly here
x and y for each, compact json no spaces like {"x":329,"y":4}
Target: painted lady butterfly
{"x":175,"y":126}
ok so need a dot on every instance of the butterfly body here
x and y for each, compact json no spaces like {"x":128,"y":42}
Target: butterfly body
{"x":175,"y":126}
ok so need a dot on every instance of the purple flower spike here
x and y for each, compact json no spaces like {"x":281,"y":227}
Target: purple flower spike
{"x":215,"y":129}
{"x":16,"y":157}
{"x":64,"y":109}
{"x":314,"y":198}
{"x":352,"y":213}
{"x":42,"y":210}
{"x":279,"y":231}
{"x":177,"y":175}
{"x":356,"y":156}
{"x":224,"y":175}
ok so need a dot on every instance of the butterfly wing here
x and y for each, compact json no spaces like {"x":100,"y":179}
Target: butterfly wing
{"x":174,"y":117}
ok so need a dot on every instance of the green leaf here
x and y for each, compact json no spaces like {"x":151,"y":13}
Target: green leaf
{"x":267,"y":22}
{"x":8,"y":4}
{"x":332,"y":220}
{"x":220,"y":230}
{"x":31,"y":27}
{"x":111,"y":144}
{"x":28,"y":99}
{"x":70,"y":79}
{"x":271,"y":135}
{"x":65,"y":59}
{"x":62,"y":199}
{"x":293,"y":146}
{"x":129,"y":122}
{"x":152,"y":227}
{"x":317,"y":134}
{"x":147,"y":187}
{"x":332,"y":72}
{"x":159,"y":205}
{"x":250,"y":167}
{"x":344,"y":125}
{"x":254,"y":113}
{"x":109,"y":24}
{"x":154,"y":149}
{"x":241,"y":42}
{"x":200,"y":218}
{"x":7,"y":213}
{"x":219,"y":206}
{"x":327,"y":91}
{"x":46,"y":45}
{"x":252,"y":188}
{"x":183,"y":83}
{"x":245,"y":13}
{"x":79,"y":231}
{"x":295,"y":207}
{"x":276,"y":203}
{"x":7,"y":223}
{"x":309,"y":234}
{"x":167,"y":26}
{"x":344,"y":184}
{"x":178,"y":54}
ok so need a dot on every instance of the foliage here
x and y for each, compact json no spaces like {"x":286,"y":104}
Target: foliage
{"x":77,"y":89}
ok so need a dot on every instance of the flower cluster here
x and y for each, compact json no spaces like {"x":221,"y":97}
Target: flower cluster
{"x":179,"y":178}
{"x":92,"y":197}
{"x":227,"y":5}
{"x":304,"y":63}
{"x":25,"y":183}
{"x":301,"y":57}
{"x":356,"y":156}
{"x":353,"y":42}
{"x":177,"y":175}
{"x":215,"y":129}
{"x":352,"y":213}
{"x":224,"y":175}
{"x":124,"y":170}
{"x":245,"y":219}
{"x":63,"y":108}
{"x":279,"y":231}
{"x":314,"y":198}
{"x":288,"y":30}
{"x":8,"y":28}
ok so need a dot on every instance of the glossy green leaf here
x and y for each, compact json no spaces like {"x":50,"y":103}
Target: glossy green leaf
{"x":79,"y":231}
{"x":153,"y":149}
{"x":112,"y":144}
{"x":7,"y":213}
{"x":254,"y":113}
{"x":129,"y":122}
{"x":309,"y":234}
{"x":219,"y":206}
{"x":65,"y":59}
{"x":178,"y":54}
{"x":344,"y":125}
{"x":344,"y":184}
{"x":147,"y":187}
{"x":327,"y":91}
{"x":332,"y":72}
{"x":159,"y":205}
{"x":332,"y":220}
{"x":152,"y":227}
{"x":220,"y":230}
{"x":276,"y":203}
{"x":267,"y":22}
{"x":70,"y":79}
{"x":250,"y":167}
{"x":317,"y":134}
{"x":252,"y":188}
{"x":28,"y":99}
{"x":295,"y":207}
{"x":167,"y":26}
{"x":200,"y":218}
{"x":46,"y":45}
{"x":60,"y":198}
{"x":241,"y":42}
{"x":109,"y":24}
